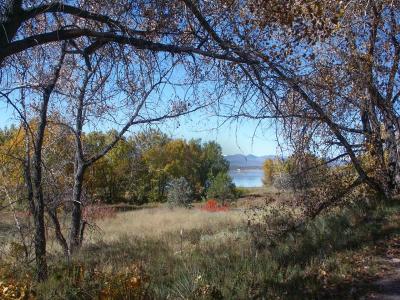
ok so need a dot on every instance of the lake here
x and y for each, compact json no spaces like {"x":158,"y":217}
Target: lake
{"x":247,"y":177}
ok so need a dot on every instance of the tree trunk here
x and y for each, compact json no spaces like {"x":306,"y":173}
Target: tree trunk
{"x":40,"y":234}
{"x":38,"y":199}
{"x":76,"y":217}
{"x":40,"y":238}
{"x":59,"y":236}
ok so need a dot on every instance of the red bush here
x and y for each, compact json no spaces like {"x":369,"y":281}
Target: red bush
{"x":213,"y":206}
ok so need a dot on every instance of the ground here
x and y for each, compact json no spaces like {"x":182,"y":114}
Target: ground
{"x":179,"y":253}
{"x":388,"y":285}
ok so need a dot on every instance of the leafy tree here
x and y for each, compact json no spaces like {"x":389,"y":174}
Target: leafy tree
{"x":269,"y":172}
{"x":139,"y":168}
{"x":213,"y":162}
{"x":195,"y":162}
{"x":147,"y":180}
{"x":108,"y":179}
{"x":11,"y":151}
{"x":221,"y":187}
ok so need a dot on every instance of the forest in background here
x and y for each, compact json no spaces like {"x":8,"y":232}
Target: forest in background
{"x":139,"y":169}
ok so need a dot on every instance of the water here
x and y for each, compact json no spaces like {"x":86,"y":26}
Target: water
{"x":247,"y":178}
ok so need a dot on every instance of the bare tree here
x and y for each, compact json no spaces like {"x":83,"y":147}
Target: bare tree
{"x":31,"y":29}
{"x":39,"y":205}
{"x":328,"y":71}
{"x":134,"y":93}
{"x":42,"y":85}
{"x":141,"y":24}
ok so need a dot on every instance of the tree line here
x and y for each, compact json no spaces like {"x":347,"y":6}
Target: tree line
{"x":138,"y":170}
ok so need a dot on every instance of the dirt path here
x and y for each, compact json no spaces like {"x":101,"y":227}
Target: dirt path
{"x":388,"y":288}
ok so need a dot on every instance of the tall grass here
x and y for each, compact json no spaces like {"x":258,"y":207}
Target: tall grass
{"x":191,"y":254}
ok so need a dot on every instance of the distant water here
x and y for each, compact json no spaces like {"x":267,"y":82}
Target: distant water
{"x":247,"y":177}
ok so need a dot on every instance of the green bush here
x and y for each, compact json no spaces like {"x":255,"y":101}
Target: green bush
{"x":179,"y":193}
{"x":241,"y":192}
{"x":222,"y":187}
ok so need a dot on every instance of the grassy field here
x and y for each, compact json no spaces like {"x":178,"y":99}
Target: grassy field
{"x":159,"y":253}
{"x":158,"y":222}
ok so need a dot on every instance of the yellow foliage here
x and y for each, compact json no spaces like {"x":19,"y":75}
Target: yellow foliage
{"x":12,"y":290}
{"x":268,"y":168}
{"x":56,"y":146}
{"x":130,"y":284}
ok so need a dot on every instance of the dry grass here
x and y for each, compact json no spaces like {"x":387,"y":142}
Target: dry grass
{"x":143,"y":253}
{"x":157,"y":222}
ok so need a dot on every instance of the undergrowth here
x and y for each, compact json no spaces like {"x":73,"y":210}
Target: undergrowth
{"x":331,"y":257}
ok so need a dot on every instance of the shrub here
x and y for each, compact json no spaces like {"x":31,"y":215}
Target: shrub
{"x":81,"y":280}
{"x":282,"y":181}
{"x":241,"y":192}
{"x":222,"y":187}
{"x":268,"y":223}
{"x":300,"y":171}
{"x":179,"y":193}
{"x":213,"y":206}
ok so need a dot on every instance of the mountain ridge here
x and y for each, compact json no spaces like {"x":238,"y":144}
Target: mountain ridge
{"x":250,"y":161}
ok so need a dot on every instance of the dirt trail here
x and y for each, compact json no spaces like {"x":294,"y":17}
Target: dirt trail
{"x":388,"y":288}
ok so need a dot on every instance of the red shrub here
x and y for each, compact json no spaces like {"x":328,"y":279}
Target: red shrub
{"x":213,"y":206}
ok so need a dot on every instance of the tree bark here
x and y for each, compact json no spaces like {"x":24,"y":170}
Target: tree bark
{"x":40,"y":235}
{"x":59,"y":236}
{"x":38,"y":199}
{"x":76,"y":216}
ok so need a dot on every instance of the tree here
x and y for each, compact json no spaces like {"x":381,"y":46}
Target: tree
{"x":213,"y":162}
{"x":101,"y":23}
{"x":269,"y":172}
{"x":108,"y":180}
{"x":35,"y":176}
{"x":327,"y":70}
{"x":33,"y":30}
{"x":221,"y":187}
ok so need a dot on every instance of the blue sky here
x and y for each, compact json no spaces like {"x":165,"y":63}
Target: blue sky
{"x":244,"y":137}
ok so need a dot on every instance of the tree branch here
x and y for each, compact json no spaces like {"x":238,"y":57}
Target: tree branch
{"x":103,"y":37}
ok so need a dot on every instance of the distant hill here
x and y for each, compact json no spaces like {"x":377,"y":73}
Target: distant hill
{"x":240,"y":161}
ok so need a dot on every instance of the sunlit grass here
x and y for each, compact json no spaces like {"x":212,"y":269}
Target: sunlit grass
{"x":192,"y":254}
{"x":154,"y":223}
